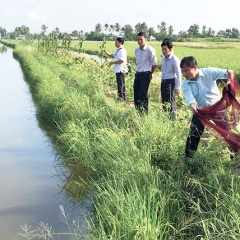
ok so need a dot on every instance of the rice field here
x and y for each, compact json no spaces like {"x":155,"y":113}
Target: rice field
{"x":208,"y":54}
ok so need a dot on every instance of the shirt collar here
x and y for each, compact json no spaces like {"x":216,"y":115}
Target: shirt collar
{"x":171,"y":55}
{"x":144,"y":48}
{"x":200,"y":74}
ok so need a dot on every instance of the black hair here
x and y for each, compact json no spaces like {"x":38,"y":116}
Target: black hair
{"x":142,"y":34}
{"x":120,"y":39}
{"x":188,"y":62}
{"x":167,"y":42}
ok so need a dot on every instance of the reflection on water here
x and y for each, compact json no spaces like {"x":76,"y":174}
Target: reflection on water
{"x":28,"y":183}
{"x":76,"y":181}
{"x":90,"y":56}
{"x":3,"y":48}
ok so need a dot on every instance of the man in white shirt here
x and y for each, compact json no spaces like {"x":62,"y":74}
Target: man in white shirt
{"x":120,"y":65}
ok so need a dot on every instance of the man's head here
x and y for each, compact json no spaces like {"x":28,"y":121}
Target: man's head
{"x":189,"y":68}
{"x":167,"y":47}
{"x":141,"y":39}
{"x":119,"y":41}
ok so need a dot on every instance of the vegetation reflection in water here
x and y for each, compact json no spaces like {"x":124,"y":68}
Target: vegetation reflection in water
{"x":75,"y":181}
{"x":3,"y":48}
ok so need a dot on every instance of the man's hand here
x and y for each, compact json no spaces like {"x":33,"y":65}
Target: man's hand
{"x":228,"y":86}
{"x":193,"y":107}
{"x":177,"y":92}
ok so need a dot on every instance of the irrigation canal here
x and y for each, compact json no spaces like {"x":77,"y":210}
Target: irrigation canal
{"x":29,"y":185}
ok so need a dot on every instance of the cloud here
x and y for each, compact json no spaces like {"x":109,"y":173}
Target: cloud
{"x":35,"y":17}
{"x":85,"y":14}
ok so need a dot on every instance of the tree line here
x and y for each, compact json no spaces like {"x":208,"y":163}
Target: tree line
{"x":109,"y":31}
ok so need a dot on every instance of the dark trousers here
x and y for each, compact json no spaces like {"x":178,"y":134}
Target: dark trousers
{"x":120,"y":85}
{"x":140,"y":87}
{"x":193,"y":139}
{"x":168,"y":96}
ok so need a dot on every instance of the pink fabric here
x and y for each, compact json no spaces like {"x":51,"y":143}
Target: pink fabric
{"x":223,"y":117}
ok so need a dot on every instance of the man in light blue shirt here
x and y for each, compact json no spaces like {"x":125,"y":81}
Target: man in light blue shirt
{"x":200,"y":90}
{"x":171,"y":77}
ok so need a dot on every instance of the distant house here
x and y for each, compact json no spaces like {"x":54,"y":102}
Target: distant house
{"x":82,"y":37}
{"x":74,"y":38}
{"x":152,"y":39}
{"x":20,"y":37}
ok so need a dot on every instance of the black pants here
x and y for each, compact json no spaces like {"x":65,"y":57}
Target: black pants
{"x":140,"y":87}
{"x":168,"y":96}
{"x":193,"y":139}
{"x":120,"y":85}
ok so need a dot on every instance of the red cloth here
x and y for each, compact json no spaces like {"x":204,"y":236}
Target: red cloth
{"x":223,"y":118}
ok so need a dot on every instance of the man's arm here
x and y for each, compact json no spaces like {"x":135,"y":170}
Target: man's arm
{"x":177,"y":70}
{"x":116,"y":62}
{"x":153,"y":70}
{"x":187,"y":93}
{"x":109,"y":54}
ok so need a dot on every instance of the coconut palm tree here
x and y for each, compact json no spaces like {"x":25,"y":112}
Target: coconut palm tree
{"x":44,"y":29}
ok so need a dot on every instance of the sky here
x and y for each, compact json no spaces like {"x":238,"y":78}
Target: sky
{"x":83,"y":15}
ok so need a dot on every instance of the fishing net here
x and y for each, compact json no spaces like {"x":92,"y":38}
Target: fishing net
{"x":223,"y":118}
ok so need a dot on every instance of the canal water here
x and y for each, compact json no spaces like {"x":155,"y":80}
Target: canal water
{"x":29,"y":191}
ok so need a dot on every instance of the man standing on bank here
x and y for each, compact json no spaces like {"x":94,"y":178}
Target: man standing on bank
{"x":171,"y":77}
{"x":120,"y":65}
{"x":146,"y":64}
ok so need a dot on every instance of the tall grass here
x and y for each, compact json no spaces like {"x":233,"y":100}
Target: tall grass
{"x":133,"y":166}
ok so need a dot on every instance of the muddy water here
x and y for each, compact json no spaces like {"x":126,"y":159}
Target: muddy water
{"x":29,"y":191}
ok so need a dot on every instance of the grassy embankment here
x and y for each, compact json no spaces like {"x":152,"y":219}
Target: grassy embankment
{"x":133,"y":165}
